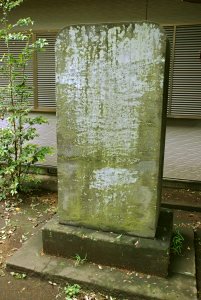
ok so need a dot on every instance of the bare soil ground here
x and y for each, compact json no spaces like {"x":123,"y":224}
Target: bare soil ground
{"x":21,"y":219}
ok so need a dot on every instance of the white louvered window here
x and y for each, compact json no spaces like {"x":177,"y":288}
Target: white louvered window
{"x":186,"y":89}
{"x":46,"y":73}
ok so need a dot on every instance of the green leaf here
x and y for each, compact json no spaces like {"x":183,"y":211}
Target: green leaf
{"x":24,"y":22}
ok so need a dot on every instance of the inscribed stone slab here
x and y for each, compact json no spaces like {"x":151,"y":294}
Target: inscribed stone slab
{"x":110,"y":82}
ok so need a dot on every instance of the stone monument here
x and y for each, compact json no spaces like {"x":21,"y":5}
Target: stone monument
{"x":111,"y":90}
{"x":110,"y":108}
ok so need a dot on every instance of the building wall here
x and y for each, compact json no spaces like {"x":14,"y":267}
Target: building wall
{"x":51,"y":14}
{"x":183,"y":149}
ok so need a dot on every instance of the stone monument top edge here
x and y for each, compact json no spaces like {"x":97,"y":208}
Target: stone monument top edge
{"x":112,"y":24}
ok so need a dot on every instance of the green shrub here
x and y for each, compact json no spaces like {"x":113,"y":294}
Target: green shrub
{"x":17,"y":153}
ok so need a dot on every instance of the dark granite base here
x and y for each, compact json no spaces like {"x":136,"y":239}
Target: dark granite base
{"x":144,"y":255}
{"x":117,"y":283}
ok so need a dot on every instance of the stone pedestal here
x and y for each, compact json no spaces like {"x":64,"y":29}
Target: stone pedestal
{"x":150,"y":256}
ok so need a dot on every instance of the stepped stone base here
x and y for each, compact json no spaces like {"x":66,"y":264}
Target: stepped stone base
{"x":119,"y":283}
{"x":145,"y":255}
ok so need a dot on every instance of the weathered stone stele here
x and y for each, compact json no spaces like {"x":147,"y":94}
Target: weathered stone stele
{"x":110,"y":82}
